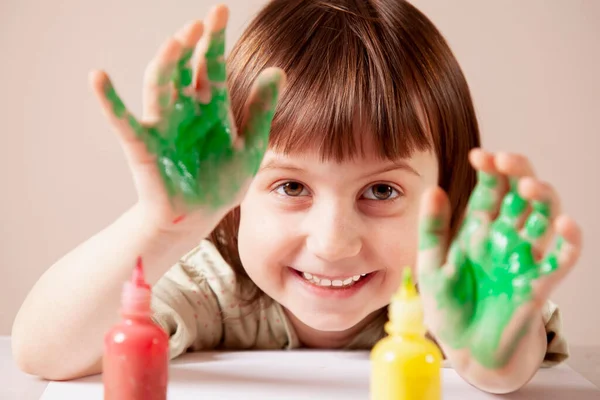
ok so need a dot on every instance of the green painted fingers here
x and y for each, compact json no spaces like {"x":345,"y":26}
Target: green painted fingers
{"x":482,"y":197}
{"x":489,"y":269}
{"x":429,"y":232}
{"x":193,"y":140}
{"x":215,"y":62}
{"x":537,"y":224}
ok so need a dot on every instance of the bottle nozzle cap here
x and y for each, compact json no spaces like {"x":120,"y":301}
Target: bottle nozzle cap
{"x":137,"y":278}
{"x":136,"y":293}
{"x":408,"y":287}
{"x":406,"y":310}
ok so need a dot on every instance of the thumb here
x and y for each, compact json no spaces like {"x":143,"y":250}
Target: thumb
{"x":261,"y":110}
{"x":131,"y":134}
{"x":434,"y":228}
{"x":120,"y":118}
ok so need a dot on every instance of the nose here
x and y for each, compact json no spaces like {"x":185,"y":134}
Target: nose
{"x":334,"y":232}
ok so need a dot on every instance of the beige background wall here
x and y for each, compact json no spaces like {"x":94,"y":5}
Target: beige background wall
{"x":533,"y":66}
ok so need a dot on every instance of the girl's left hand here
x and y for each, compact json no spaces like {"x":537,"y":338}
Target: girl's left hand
{"x":482,"y":291}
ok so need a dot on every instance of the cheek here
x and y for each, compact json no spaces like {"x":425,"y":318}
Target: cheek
{"x":250,"y":235}
{"x":395,"y":244}
{"x":263,"y":239}
{"x":396,"y":239}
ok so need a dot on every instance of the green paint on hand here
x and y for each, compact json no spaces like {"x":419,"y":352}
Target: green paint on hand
{"x":513,"y":205}
{"x":537,"y":223}
{"x":192,"y":142}
{"x":482,"y":198}
{"x":493,"y":270}
{"x":429,"y":232}
{"x":215,"y":64}
{"x":115,"y":100}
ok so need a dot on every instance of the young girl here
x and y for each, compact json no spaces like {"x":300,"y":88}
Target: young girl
{"x":363,"y":117}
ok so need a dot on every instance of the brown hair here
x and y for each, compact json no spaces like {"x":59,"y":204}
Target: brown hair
{"x":382,"y":60}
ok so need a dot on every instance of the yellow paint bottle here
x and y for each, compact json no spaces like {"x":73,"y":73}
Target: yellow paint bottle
{"x":406,"y":365}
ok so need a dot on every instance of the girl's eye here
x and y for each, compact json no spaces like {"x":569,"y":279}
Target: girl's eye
{"x":381,"y":191}
{"x":292,"y":189}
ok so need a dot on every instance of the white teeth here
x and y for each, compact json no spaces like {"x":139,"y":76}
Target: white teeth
{"x":328,"y":282}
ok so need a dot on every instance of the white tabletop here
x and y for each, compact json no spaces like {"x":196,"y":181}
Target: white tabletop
{"x":14,"y":384}
{"x":300,"y":375}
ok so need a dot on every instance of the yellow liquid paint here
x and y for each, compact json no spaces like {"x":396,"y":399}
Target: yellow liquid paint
{"x":406,"y":365}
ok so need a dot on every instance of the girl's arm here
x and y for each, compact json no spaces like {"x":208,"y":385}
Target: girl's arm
{"x":182,"y":195}
{"x":59,"y":330}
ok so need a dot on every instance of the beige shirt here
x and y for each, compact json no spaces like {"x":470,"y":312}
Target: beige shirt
{"x":196,"y":302}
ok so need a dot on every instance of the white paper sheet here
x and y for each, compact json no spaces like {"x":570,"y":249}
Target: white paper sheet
{"x":309,"y":375}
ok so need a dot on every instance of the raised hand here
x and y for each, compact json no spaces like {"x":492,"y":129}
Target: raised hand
{"x":185,"y":153}
{"x":482,"y":292}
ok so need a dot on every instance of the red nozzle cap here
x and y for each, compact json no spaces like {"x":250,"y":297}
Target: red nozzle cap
{"x":136,"y":295}
{"x":137,"y":279}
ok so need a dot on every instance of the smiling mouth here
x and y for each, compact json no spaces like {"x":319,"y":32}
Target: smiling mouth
{"x":321,"y":281}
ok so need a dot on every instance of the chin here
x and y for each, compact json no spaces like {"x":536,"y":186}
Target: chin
{"x":327,"y":321}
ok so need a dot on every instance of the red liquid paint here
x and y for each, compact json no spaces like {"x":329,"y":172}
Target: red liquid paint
{"x":136,"y":350}
{"x":178,"y":219}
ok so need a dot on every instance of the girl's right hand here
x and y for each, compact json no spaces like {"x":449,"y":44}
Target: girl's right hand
{"x":189,"y":165}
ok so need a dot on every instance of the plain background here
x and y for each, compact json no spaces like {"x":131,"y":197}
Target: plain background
{"x":533,"y":66}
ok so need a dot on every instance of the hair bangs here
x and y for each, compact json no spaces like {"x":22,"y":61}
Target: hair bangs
{"x":340,"y":96}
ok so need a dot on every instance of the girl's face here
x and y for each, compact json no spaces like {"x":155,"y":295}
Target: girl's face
{"x":328,"y":240}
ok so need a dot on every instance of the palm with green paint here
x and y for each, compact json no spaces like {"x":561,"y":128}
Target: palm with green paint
{"x":481,"y":294}
{"x":185,"y":153}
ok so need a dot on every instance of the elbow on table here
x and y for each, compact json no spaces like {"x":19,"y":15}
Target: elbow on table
{"x":36,"y":360}
{"x":502,"y":388}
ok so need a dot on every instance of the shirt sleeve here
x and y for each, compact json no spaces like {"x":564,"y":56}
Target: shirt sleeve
{"x":199,"y":304}
{"x":557,"y":350}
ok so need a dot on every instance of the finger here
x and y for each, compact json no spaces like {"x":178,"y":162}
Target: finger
{"x":215,"y":53}
{"x":514,"y":208}
{"x":491,"y":185}
{"x":133,"y":136}
{"x":434,"y":228}
{"x":545,"y":206}
{"x":123,"y":122}
{"x":260,"y":111}
{"x":210,"y":52}
{"x":158,"y":89}
{"x":187,"y":37}
{"x":514,"y":165}
{"x":567,"y":249}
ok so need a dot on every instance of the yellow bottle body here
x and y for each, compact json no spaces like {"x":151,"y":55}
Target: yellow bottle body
{"x":406,"y":367}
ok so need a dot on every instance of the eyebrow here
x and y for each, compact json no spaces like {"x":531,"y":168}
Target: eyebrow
{"x":279,"y":164}
{"x":403,"y":165}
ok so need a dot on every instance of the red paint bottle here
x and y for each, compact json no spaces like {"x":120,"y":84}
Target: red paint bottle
{"x":136,"y":350}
